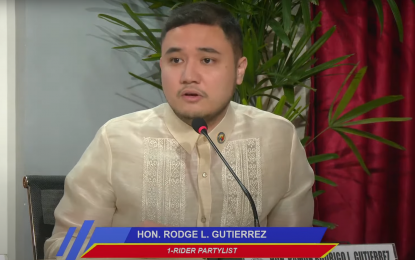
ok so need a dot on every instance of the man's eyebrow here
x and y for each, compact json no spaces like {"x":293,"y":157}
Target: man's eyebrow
{"x":203,"y":49}
{"x":173,"y":49}
{"x":209,"y":50}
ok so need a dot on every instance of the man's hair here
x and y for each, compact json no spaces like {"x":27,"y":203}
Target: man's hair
{"x":207,"y":14}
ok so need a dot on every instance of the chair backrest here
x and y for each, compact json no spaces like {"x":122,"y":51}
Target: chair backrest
{"x":44,"y":193}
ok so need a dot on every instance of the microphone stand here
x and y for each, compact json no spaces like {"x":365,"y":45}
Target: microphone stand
{"x":244,"y":189}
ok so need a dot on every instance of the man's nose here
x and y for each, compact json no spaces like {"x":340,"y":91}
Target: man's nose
{"x":190,"y":73}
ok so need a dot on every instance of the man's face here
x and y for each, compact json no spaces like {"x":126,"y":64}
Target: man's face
{"x":198,"y":71}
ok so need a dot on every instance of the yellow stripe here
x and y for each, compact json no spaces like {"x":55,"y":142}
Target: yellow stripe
{"x":328,"y":252}
{"x":92,"y":247}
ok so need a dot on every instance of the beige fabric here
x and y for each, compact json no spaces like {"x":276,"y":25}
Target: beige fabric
{"x":149,"y":165}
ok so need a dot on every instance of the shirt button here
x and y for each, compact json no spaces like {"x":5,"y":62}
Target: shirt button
{"x":204,"y":175}
{"x":203,"y":219}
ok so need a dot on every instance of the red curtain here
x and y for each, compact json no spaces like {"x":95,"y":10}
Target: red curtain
{"x":379,"y":208}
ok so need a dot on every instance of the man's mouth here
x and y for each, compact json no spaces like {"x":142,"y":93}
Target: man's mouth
{"x":191,"y":96}
{"x":191,"y":93}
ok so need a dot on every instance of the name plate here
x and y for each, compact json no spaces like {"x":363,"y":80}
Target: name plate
{"x":353,"y":252}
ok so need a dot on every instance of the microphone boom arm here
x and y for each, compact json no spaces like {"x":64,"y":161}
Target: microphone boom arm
{"x":244,"y":189}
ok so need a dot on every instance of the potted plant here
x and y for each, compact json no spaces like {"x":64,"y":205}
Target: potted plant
{"x":277,"y":35}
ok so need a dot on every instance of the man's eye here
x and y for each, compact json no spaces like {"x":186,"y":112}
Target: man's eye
{"x":175,"y":60}
{"x":207,"y":60}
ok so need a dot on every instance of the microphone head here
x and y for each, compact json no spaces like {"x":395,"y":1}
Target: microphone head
{"x":199,"y":124}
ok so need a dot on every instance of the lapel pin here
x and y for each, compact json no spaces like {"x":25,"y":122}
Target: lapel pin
{"x":221,"y":138}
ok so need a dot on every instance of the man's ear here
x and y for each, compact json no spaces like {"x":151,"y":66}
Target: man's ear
{"x":240,"y":70}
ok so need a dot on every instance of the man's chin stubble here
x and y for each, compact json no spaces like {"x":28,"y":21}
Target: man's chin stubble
{"x":188,"y":117}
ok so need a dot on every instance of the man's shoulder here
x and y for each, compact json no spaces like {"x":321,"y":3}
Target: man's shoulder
{"x":138,"y":118}
{"x":257,"y":116}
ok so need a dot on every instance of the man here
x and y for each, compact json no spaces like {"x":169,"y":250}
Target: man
{"x":150,"y":168}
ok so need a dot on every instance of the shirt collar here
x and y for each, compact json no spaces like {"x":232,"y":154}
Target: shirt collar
{"x":187,"y":137}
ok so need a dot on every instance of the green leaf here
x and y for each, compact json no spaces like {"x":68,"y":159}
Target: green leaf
{"x":256,"y":53}
{"x":297,"y":113}
{"x":344,"y":5}
{"x":362,"y":109}
{"x":306,"y":14}
{"x":113,"y":20}
{"x":244,"y":101}
{"x":306,"y":66}
{"x":150,"y":35}
{"x":398,"y":18}
{"x":368,"y":135}
{"x":305,"y":140}
{"x":286,"y":14}
{"x":324,"y":66}
{"x":287,"y":80}
{"x":322,"y":158}
{"x":263,"y":47}
{"x":268,"y":95}
{"x":289,"y":93}
{"x":350,"y":92}
{"x":153,"y":57}
{"x":259,"y":102}
{"x":292,"y":107}
{"x":132,"y":46}
{"x":243,"y":90}
{"x":156,"y":5}
{"x":176,"y":5}
{"x":290,"y":116}
{"x":263,"y":89}
{"x":355,"y":151}
{"x":280,"y":106}
{"x":306,"y":37}
{"x":279,"y":31}
{"x":297,"y":22}
{"x":377,"y":120}
{"x":261,"y":82}
{"x":318,"y":193}
{"x":152,"y":1}
{"x":271,"y":62}
{"x":154,"y":84}
{"x":379,"y":10}
{"x":324,"y":180}
{"x":251,"y":53}
{"x":313,"y":49}
{"x":284,"y":103}
{"x":324,"y":224}
{"x":338,"y":93}
{"x":126,"y":25}
{"x":276,"y":48}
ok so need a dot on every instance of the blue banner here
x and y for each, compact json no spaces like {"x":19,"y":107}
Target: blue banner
{"x":226,"y":235}
{"x":116,"y":236}
{"x":207,"y":235}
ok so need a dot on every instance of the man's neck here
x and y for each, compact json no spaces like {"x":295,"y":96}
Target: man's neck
{"x":214,"y":121}
{"x":211,"y":122}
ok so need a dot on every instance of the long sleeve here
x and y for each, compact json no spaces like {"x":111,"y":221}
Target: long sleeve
{"x":296,"y":208}
{"x":88,"y":194}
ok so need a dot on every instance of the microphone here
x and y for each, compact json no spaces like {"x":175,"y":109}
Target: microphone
{"x":200,"y":126}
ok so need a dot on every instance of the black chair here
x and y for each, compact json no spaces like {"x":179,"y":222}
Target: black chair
{"x":44,"y":193}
